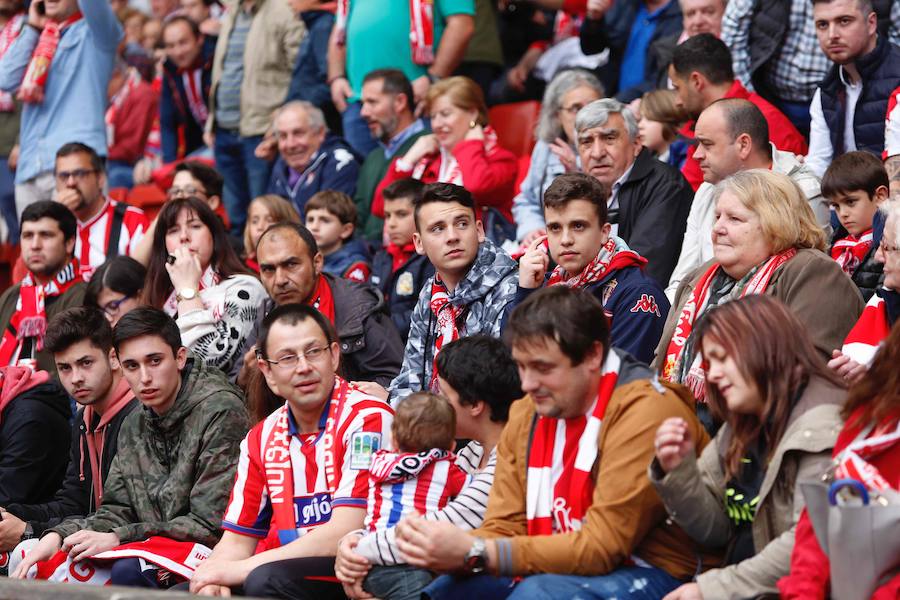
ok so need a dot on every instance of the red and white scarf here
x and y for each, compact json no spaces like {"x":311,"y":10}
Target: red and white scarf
{"x":32,"y":88}
{"x":132,"y":81}
{"x":850,"y":252}
{"x":193,"y":89}
{"x":8,"y":35}
{"x":446,"y":314}
{"x":209,"y":279}
{"x":853,"y":461}
{"x":560,"y":461}
{"x":613,"y":255}
{"x":30,"y":318}
{"x":870,"y":331}
{"x":449,"y":171}
{"x":421,"y":28}
{"x":322,"y":300}
{"x":754,"y":282}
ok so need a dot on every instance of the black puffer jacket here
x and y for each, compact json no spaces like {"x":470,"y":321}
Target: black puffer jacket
{"x":869,"y":275}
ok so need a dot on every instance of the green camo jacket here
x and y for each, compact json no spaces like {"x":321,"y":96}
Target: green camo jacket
{"x":173,"y":474}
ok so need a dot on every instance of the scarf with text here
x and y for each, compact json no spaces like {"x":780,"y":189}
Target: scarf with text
{"x":399,"y":254}
{"x":850,"y":252}
{"x":853,"y":461}
{"x":209,"y":279}
{"x":869,"y":332}
{"x":29,"y":322}
{"x":322,"y":299}
{"x":8,"y":35}
{"x":450,"y":171}
{"x":562,"y":456}
{"x":32,"y":88}
{"x":132,"y":81}
{"x":692,"y":374}
{"x":421,"y":28}
{"x":613,"y":255}
{"x":446,"y":315}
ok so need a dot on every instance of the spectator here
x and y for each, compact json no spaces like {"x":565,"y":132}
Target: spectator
{"x":206,"y":14}
{"x":650,"y":201}
{"x":311,"y":159}
{"x":186,"y":77}
{"x":732,"y":136}
{"x":132,"y":21}
{"x":701,"y":74}
{"x":106,"y":228}
{"x":199,"y":280}
{"x":555,"y":151}
{"x":367,"y":37}
{"x":161,"y":9}
{"x":397,"y":269}
{"x":473,"y":284}
{"x":65,"y":100}
{"x":765,"y":241}
{"x":870,"y":411}
{"x":80,"y":340}
{"x":780,"y":406}
{"x":252,"y":64}
{"x":12,"y":20}
{"x":309,"y":80}
{"x":588,"y":257}
{"x":133,"y":107}
{"x":564,"y":527}
{"x":482,"y":401}
{"x":331,"y":218}
{"x":48,"y":239}
{"x":335,"y":429}
{"x":34,"y":435}
{"x":463,"y":150}
{"x":116,"y":287}
{"x":263,"y":212}
{"x":855,"y":185}
{"x":387,"y":107}
{"x":661,"y":119}
{"x":848,"y":106}
{"x":628,"y":30}
{"x":290,"y":266}
{"x":156,"y":488}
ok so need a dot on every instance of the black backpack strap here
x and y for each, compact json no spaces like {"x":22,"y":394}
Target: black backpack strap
{"x":115,"y":230}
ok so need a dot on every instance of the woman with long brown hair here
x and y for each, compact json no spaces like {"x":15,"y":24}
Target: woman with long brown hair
{"x":780,"y":405}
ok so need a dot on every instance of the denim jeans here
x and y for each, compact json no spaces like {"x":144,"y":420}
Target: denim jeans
{"x":626,"y":583}
{"x":8,"y":200}
{"x":119,"y":174}
{"x":246,"y":176}
{"x":356,"y":132}
{"x":398,"y":582}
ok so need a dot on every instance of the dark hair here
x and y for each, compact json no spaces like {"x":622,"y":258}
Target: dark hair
{"x":423,"y":421}
{"x":208,"y":177}
{"x":572,"y":318}
{"x":53,"y":210}
{"x":393,"y":81}
{"x":866,"y":7}
{"x":462,"y":364}
{"x":194,"y":27}
{"x":577,"y":186}
{"x":337,"y":203}
{"x":443,"y":192}
{"x":146,"y":320}
{"x":224,"y":259}
{"x":302,"y":232}
{"x":774,"y":352}
{"x":744,"y":117}
{"x":79,"y":148}
{"x":853,"y":171}
{"x":404,"y":188}
{"x":76,"y":324}
{"x":706,"y":54}
{"x":120,"y":274}
{"x":879,"y":390}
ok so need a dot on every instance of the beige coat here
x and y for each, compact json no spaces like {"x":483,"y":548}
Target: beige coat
{"x":693,"y":494}
{"x":272,"y":43}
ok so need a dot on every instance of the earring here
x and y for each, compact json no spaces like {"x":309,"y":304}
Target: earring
{"x":472,"y":124}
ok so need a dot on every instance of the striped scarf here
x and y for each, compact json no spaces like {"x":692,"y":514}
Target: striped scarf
{"x":613,"y":255}
{"x":560,"y":461}
{"x":446,"y":314}
{"x":421,"y":28}
{"x":32,"y":88}
{"x":8,"y":35}
{"x":853,"y":461}
{"x":850,"y":252}
{"x":870,"y":330}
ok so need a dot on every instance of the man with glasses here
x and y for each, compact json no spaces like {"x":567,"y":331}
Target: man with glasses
{"x":303,"y":473}
{"x":106,"y":228}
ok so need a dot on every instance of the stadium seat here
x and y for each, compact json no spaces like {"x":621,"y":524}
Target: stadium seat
{"x":148,"y":197}
{"x":514,"y":124}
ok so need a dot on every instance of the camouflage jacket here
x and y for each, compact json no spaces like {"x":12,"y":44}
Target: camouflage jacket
{"x":484,"y":293}
{"x":173,"y":474}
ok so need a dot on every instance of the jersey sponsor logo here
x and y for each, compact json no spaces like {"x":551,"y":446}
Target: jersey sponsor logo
{"x":647,"y":304}
{"x":310,"y":511}
{"x":405,"y":285}
{"x":363,"y":445}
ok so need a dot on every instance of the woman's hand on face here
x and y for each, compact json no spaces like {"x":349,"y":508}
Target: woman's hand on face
{"x":186,"y":271}
{"x":424,"y":146}
{"x":673,"y":442}
{"x":565,"y":154}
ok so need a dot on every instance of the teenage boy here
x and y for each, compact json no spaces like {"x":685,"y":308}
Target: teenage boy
{"x":331,"y":218}
{"x":587,"y":256}
{"x":855,"y":185}
{"x":176,"y":459}
{"x":473,"y":284}
{"x":397,"y":269}
{"x":81,"y":342}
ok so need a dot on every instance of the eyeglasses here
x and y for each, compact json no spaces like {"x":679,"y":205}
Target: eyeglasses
{"x":572,"y":109}
{"x":78,"y":174}
{"x":185,"y":192}
{"x":111,"y":308}
{"x":286,"y":363}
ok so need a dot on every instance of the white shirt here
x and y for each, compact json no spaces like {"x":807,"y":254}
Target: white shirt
{"x":892,"y":125}
{"x":820,"y":150}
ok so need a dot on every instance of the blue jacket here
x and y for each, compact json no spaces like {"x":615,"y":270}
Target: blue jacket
{"x":75,"y":97}
{"x":308,"y":81}
{"x":333,"y":167}
{"x":401,"y":288}
{"x":174,"y":109}
{"x":350,"y":261}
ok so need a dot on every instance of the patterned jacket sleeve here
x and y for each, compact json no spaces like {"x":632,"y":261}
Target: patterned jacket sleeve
{"x":409,"y":379}
{"x":736,"y":25}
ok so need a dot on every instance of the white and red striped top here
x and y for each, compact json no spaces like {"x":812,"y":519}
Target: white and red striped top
{"x":92,"y":239}
{"x":892,"y":125}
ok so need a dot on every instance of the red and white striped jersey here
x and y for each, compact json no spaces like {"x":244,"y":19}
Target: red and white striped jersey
{"x":892,"y":125}
{"x":362,"y":427}
{"x":93,"y":236}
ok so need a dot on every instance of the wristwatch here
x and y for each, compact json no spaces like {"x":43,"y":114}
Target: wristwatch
{"x":185,"y":294}
{"x":475,"y":561}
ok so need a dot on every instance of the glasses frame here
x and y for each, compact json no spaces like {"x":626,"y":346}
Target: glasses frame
{"x":290,"y":362}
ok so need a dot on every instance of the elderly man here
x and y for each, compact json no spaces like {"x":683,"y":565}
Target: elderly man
{"x":732,"y":135}
{"x":650,"y":201}
{"x":311,"y":159}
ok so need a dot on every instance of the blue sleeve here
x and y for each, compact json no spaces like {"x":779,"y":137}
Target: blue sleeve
{"x":168,"y":127}
{"x":520,"y":297}
{"x":341,"y":172}
{"x":639,"y":314}
{"x":320,"y":94}
{"x":16,"y":59}
{"x":103,"y":23}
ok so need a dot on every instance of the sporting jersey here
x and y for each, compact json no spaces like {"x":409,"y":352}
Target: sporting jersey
{"x":92,"y":240}
{"x":892,"y":125}
{"x":352,"y":427}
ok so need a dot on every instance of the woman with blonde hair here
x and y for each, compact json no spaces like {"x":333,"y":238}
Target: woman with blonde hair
{"x":661,"y":119}
{"x":264,"y":211}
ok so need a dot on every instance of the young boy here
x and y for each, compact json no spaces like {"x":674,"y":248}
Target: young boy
{"x":854,"y":185}
{"x":331,"y":218}
{"x":397,"y":269}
